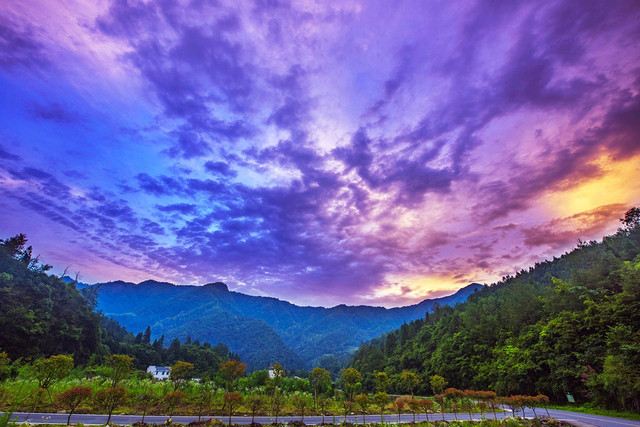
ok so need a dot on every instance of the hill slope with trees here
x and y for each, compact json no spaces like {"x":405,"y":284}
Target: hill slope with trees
{"x":262,"y":330}
{"x":570,"y":325}
{"x":42,"y":315}
{"x":39,"y":313}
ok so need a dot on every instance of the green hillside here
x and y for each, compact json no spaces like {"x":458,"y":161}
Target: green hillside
{"x":42,"y":315}
{"x":39,"y":313}
{"x":569,"y":325}
{"x":261,"y":330}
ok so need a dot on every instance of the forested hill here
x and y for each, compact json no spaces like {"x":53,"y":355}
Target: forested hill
{"x":261,"y":330}
{"x":570,"y":325}
{"x":42,"y":315}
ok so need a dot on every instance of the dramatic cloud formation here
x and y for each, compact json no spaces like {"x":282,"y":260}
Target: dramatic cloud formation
{"x":320,"y":152}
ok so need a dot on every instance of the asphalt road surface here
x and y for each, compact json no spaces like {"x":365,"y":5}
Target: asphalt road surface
{"x":95,"y":419}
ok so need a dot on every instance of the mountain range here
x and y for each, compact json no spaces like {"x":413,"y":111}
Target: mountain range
{"x":261,"y":330}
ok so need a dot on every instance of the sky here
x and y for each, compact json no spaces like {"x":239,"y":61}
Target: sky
{"x":321,"y":152}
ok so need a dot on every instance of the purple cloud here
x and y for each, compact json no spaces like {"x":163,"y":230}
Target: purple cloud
{"x":360,"y":152}
{"x":18,"y":47}
{"x":53,"y":112}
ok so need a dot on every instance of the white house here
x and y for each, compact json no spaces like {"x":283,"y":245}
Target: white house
{"x":159,"y":372}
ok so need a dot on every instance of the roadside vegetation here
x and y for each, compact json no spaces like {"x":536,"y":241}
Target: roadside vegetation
{"x":54,"y":384}
{"x":568,"y":325}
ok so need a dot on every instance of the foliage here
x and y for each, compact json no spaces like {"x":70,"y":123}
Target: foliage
{"x":400,"y":404}
{"x":347,"y":407}
{"x":145,"y":399}
{"x":351,"y":378}
{"x":232,"y":400}
{"x":72,"y":398}
{"x":121,"y":365}
{"x":277,"y":403}
{"x":410,"y":380}
{"x":202,"y":398}
{"x":173,"y":399}
{"x":42,"y":315}
{"x":142,"y":396}
{"x":437,"y":383}
{"x":180,"y":373}
{"x":52,"y":369}
{"x":231,"y":371}
{"x":319,"y":378}
{"x":568,"y":325}
{"x":15,"y":248}
{"x":363,"y":401}
{"x":205,"y":357}
{"x":255,"y":403}
{"x":110,"y":399}
{"x":301,"y":403}
{"x":382,"y":381}
{"x":261,"y":330}
{"x":277,"y":373}
{"x":5,"y":419}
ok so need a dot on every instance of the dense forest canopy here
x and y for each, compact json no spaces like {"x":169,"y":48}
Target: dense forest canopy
{"x":42,"y":315}
{"x":569,"y":325}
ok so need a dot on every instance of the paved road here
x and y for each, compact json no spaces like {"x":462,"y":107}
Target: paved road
{"x":584,"y":419}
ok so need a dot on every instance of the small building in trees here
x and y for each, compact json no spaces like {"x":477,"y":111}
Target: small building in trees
{"x":159,"y":372}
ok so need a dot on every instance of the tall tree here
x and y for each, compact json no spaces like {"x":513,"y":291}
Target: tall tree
{"x":363,"y":401}
{"x":276,"y":373}
{"x":146,"y":337}
{"x":121,"y":366}
{"x":146,"y":399}
{"x":351,"y":377}
{"x":382,"y":381}
{"x":14,"y":246}
{"x":202,"y":398}
{"x":173,"y":400}
{"x":410,"y":381}
{"x":318,"y":378}
{"x":381,"y":400}
{"x":437,"y":383}
{"x":231,"y":371}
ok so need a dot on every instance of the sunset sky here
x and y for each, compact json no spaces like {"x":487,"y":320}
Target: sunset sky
{"x":321,"y":152}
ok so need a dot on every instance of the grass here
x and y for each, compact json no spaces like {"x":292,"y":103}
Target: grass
{"x":588,"y":409}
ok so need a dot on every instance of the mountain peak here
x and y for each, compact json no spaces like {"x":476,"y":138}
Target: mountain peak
{"x":218,"y":286}
{"x":459,"y":296}
{"x":154,"y":283}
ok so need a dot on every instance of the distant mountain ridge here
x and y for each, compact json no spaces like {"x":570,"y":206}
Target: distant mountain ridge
{"x":260,"y":329}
